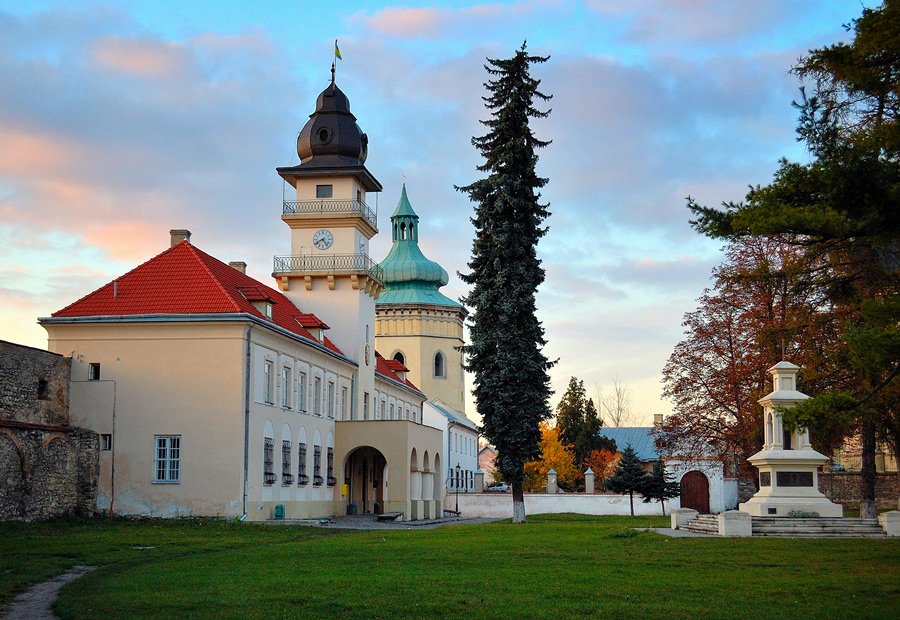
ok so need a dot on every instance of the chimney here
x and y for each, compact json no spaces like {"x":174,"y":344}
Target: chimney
{"x":180,"y":235}
{"x":657,"y":418}
{"x":239,"y":266}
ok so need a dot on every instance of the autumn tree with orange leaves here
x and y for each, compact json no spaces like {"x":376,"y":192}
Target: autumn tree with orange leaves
{"x":555,"y":455}
{"x":760,"y":309}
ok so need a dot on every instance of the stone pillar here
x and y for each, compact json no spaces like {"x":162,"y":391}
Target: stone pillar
{"x":479,"y":481}
{"x":589,"y":481}
{"x":551,"y":481}
{"x":735,"y":523}
{"x":890,"y":522}
{"x":681,"y":516}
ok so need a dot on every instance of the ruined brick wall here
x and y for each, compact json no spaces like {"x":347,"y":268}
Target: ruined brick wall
{"x":844,"y":487}
{"x":47,"y":468}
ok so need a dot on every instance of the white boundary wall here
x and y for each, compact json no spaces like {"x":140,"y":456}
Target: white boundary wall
{"x":499,"y":505}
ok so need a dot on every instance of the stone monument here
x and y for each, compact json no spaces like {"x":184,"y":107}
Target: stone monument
{"x":788,"y":465}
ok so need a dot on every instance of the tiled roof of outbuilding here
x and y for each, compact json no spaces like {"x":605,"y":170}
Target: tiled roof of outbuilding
{"x":640,"y":438}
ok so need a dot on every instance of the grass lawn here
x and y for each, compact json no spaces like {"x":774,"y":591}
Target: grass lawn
{"x":555,"y":567}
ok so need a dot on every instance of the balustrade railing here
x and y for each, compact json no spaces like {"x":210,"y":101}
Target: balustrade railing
{"x":295,"y":207}
{"x":329,"y":263}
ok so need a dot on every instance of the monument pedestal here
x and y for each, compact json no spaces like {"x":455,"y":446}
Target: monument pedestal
{"x":788,"y":465}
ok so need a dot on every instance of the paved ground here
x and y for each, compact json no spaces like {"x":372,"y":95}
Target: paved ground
{"x":370,"y":522}
{"x":35,"y":603}
{"x":667,"y":531}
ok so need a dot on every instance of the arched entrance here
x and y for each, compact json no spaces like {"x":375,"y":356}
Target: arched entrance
{"x":695,"y":492}
{"x":364,"y":471}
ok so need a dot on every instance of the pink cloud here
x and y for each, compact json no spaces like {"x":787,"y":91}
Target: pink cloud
{"x":23,"y":153}
{"x":415,"y":23}
{"x":141,"y":57}
{"x":131,"y":241}
{"x":408,"y":23}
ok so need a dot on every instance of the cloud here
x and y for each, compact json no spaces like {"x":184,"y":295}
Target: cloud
{"x":141,"y":57}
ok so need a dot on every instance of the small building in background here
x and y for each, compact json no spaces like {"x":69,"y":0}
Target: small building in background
{"x":460,"y":444}
{"x":704,"y":486}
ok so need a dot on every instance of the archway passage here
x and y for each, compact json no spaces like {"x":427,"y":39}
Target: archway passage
{"x":695,"y":492}
{"x":364,"y":471}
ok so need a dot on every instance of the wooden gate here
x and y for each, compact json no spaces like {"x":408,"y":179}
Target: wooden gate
{"x":695,"y":492}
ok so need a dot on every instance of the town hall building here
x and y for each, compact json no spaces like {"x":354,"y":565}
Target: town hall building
{"x":216,"y":394}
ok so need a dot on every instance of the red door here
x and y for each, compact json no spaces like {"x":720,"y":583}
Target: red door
{"x":695,"y":492}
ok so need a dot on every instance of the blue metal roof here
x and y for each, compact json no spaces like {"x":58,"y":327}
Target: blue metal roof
{"x":452,"y":414}
{"x":640,"y":438}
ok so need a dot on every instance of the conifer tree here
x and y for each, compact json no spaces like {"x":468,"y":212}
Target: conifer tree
{"x":660,"y":485}
{"x":511,"y":386}
{"x":630,"y":476}
{"x":579,"y":425}
{"x":845,"y":206}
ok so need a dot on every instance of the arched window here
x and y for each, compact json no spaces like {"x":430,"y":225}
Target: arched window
{"x":398,"y":356}
{"x":403,"y":230}
{"x":439,"y":366}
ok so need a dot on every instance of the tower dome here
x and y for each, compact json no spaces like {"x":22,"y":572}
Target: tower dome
{"x":331,"y":136}
{"x":409,"y":277}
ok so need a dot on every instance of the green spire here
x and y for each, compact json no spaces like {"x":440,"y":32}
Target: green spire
{"x":409,"y":277}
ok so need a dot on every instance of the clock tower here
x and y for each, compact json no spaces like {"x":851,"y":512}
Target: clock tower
{"x":329,"y":271}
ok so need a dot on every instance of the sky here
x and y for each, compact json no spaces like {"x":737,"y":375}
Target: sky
{"x":122,"y":120}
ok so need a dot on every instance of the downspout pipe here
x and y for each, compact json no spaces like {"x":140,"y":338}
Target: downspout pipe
{"x":247,"y":424}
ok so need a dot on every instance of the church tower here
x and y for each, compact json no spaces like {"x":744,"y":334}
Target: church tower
{"x":414,"y":323}
{"x":329,"y":272}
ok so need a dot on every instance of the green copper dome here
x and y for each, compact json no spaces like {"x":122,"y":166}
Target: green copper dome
{"x":409,"y":277}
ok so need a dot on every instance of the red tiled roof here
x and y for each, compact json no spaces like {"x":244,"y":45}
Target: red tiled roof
{"x":385,"y":368}
{"x":310,"y":320}
{"x":395,"y":365}
{"x":186,"y":280}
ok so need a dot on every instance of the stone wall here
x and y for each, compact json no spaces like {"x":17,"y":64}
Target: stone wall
{"x":843,"y":487}
{"x":47,"y":468}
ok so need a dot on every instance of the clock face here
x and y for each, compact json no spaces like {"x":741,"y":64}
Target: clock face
{"x":323,"y":239}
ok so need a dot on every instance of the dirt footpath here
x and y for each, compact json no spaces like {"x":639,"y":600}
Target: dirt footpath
{"x":36,"y":602}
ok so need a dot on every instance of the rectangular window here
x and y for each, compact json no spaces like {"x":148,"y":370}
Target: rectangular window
{"x":365,"y":405}
{"x":383,"y":405}
{"x":167,"y":463}
{"x":330,"y":403}
{"x":317,"y":396}
{"x":268,"y":370}
{"x":286,"y":387}
{"x":286,"y":477}
{"x":330,"y":464}
{"x":106,"y":442}
{"x":317,"y":466}
{"x":324,"y":191}
{"x":302,"y":478}
{"x":392,"y":411}
{"x":94,"y":372}
{"x":301,"y":405}
{"x":343,"y":403}
{"x":269,"y":461}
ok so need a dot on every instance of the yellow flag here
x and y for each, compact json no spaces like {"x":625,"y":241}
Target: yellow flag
{"x":337,"y":51}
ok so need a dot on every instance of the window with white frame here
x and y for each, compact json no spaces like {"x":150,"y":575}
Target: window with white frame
{"x":317,"y":466}
{"x":317,"y":396}
{"x":329,"y":405}
{"x":286,"y":477}
{"x":330,"y":465}
{"x":268,"y":461}
{"x":302,"y":478}
{"x":383,"y":407}
{"x":365,"y":405}
{"x":268,"y":378}
{"x":301,"y":396}
{"x":286,"y":387}
{"x":392,"y":411}
{"x":343,"y":402}
{"x":167,"y":463}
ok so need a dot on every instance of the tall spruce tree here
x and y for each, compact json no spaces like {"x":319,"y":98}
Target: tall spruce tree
{"x":845,"y":207}
{"x":629,"y":477}
{"x":511,"y":385}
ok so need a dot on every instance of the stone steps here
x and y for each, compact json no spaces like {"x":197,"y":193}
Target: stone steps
{"x":796,"y":528}
{"x":815,"y":528}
